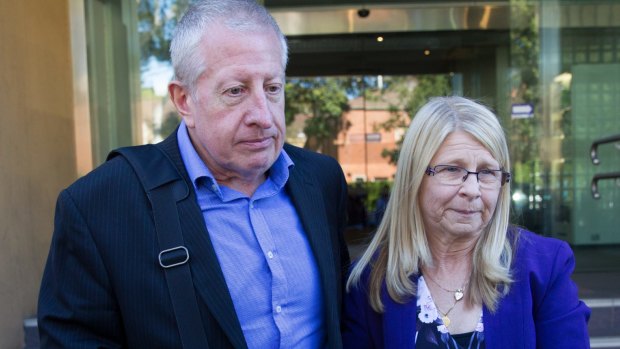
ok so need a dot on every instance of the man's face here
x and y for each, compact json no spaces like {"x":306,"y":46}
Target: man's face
{"x":236,"y":115}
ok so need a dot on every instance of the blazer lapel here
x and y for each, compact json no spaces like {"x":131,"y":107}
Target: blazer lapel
{"x":399,"y":325}
{"x":206,"y":271}
{"x":505,"y":328}
{"x":308,"y":201}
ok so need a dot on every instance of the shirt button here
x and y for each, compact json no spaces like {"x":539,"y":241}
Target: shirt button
{"x":270,"y":254}
{"x":278,"y":309}
{"x":251,"y":205}
{"x":213,"y":187}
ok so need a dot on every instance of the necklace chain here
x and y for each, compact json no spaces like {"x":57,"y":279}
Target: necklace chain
{"x":447,"y":312}
{"x":444,"y":316}
{"x":445,"y":289}
{"x":458,"y":293}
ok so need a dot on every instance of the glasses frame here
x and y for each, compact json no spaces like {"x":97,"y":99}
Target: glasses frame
{"x":431,"y":171}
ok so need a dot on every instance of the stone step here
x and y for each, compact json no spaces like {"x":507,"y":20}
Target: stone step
{"x":605,"y":342}
{"x":605,"y":319}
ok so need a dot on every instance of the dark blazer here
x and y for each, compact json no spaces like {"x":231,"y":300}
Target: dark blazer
{"x":103,"y":287}
{"x":541,"y":310}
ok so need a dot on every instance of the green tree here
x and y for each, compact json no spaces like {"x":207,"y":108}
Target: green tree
{"x":525,"y":134}
{"x":324,"y":99}
{"x":413,"y":97}
{"x":156,"y":22}
{"x":524,"y":53}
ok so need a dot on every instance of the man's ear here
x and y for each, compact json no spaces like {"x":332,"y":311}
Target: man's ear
{"x":182,"y":100}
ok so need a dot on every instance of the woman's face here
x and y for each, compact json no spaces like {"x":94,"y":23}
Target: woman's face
{"x":465,"y":209}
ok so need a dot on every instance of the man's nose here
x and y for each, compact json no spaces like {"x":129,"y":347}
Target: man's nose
{"x":259,"y":112}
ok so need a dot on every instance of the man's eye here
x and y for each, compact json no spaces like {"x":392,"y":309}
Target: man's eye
{"x":234,"y":91}
{"x":273,"y":89}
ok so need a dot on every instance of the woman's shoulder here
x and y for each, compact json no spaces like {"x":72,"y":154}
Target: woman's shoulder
{"x":525,"y":240}
{"x":536,"y":252}
{"x":361,"y":275}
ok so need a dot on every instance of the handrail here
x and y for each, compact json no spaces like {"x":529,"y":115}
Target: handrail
{"x":600,"y":176}
{"x":596,"y":143}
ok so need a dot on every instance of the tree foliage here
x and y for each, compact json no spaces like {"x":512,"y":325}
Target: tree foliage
{"x":413,"y":97}
{"x":524,"y":53}
{"x":324,"y":99}
{"x":156,"y":22}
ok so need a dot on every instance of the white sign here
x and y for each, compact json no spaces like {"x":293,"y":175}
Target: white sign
{"x":522,"y":111}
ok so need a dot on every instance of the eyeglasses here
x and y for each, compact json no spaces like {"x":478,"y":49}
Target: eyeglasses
{"x":455,"y":175}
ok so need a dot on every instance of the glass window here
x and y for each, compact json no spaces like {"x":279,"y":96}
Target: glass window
{"x":550,"y":69}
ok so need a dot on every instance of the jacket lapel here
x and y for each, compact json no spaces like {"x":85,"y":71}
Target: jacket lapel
{"x":399,"y":325}
{"x":206,"y":271}
{"x":308,"y":200}
{"x":500,"y":329}
{"x":505,"y":328}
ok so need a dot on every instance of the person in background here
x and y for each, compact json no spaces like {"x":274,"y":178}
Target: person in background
{"x":381,"y":204}
{"x":263,"y":221}
{"x":445,"y":269}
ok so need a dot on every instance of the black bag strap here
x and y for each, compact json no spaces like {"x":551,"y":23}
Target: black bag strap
{"x":164,"y":187}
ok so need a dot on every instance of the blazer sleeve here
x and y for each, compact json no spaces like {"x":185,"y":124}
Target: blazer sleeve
{"x":356,"y":331}
{"x":335,"y":191}
{"x":345,"y":260}
{"x":76,"y":307}
{"x":561,"y":318}
{"x":362,"y":326}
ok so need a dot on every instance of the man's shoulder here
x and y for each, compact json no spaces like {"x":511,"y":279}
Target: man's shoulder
{"x":113,"y":173}
{"x":298,"y":154}
{"x":323,"y":169}
{"x":117,"y":171}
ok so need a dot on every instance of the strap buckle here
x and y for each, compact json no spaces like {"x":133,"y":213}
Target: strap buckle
{"x":173,"y":257}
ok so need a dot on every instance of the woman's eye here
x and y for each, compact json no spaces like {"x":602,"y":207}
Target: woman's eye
{"x":452,"y":169}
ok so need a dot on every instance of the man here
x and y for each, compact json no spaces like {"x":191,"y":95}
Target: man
{"x":262,"y":222}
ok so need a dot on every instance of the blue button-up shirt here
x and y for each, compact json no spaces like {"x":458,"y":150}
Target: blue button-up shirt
{"x":262,"y":248}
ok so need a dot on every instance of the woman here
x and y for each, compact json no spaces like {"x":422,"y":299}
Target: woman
{"x":444,"y":269}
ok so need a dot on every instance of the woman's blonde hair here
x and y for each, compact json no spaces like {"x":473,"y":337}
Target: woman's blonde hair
{"x":400,"y":247}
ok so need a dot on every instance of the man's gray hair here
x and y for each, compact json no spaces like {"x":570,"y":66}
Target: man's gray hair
{"x":240,"y":15}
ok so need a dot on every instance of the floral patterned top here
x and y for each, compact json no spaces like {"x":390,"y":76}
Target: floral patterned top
{"x":431,"y":331}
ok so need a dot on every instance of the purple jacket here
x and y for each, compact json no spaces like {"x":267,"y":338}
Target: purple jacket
{"x":542,"y":309}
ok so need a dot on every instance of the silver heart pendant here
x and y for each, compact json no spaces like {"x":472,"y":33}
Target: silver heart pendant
{"x":458,"y":295}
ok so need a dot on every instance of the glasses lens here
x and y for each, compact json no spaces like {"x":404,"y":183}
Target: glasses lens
{"x":454,"y":175}
{"x":450,"y":174}
{"x":489,"y":177}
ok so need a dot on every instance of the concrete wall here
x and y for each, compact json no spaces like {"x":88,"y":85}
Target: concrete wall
{"x":37,"y":152}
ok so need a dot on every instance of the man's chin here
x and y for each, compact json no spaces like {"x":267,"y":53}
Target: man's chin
{"x":262,"y":163}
